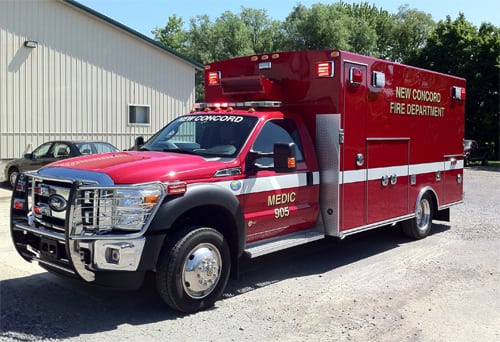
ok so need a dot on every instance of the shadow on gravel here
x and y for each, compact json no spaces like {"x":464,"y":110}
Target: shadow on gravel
{"x":45,"y":306}
{"x":317,"y":257}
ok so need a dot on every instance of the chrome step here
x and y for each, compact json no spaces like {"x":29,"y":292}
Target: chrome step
{"x":259,"y":248}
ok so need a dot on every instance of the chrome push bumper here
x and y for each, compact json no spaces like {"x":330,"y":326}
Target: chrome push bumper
{"x":80,"y":257}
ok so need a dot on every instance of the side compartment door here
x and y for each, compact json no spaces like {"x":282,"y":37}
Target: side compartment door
{"x":388,"y":183}
{"x":353,"y":156}
{"x":453,"y":179}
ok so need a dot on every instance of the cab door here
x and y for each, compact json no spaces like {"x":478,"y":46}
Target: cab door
{"x":277,"y":204}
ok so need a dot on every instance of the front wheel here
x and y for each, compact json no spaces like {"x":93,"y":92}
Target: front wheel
{"x":420,"y":226}
{"x":193,"y":269}
{"x":13,"y":172}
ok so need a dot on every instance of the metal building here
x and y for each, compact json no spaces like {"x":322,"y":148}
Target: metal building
{"x":68,"y":72}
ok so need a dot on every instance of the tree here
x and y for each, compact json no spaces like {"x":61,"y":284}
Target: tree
{"x":263,"y":33}
{"x":459,"y":48}
{"x":409,"y":33}
{"x":172,"y":35}
{"x":370,"y":29}
{"x":321,"y":27}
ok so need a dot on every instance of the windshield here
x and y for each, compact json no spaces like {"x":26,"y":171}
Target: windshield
{"x":205,"y":135}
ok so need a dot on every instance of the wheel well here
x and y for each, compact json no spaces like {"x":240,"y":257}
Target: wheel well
{"x":433,"y":196}
{"x":434,"y":203}
{"x":215,"y":217}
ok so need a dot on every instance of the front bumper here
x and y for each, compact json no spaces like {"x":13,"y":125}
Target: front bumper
{"x":82,"y":258}
{"x":64,"y":225}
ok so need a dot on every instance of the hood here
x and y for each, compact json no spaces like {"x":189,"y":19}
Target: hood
{"x":138,"y":167}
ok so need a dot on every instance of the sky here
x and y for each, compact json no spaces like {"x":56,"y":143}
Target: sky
{"x":145,"y":15}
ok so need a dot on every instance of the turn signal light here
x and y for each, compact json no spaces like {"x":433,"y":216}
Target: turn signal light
{"x":177,"y":188}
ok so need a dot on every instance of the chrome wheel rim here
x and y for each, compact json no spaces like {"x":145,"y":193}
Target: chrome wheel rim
{"x":423,"y":214}
{"x":13,"y":176}
{"x":201,"y":270}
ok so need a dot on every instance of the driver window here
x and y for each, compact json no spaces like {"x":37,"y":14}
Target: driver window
{"x":277,"y":131}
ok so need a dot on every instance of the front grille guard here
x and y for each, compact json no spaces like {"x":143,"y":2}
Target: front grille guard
{"x":75,"y":235}
{"x":73,"y":227}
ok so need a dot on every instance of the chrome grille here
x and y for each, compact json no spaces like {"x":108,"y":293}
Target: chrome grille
{"x":49,"y":201}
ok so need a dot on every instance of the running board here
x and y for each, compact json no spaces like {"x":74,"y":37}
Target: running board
{"x":259,"y":248}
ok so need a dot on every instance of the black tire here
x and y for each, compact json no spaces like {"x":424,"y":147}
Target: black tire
{"x":420,"y":226}
{"x":193,"y":269}
{"x":13,"y":172}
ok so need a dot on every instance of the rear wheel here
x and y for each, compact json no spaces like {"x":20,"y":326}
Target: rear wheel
{"x":193,"y":269}
{"x":13,"y":172}
{"x":420,"y":226}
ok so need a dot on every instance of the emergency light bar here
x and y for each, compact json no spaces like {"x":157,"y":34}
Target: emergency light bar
{"x":245,"y":104}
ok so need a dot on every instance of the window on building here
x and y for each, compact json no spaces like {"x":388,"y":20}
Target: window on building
{"x":139,"y":115}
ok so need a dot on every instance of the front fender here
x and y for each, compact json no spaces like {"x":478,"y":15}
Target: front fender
{"x":201,"y":195}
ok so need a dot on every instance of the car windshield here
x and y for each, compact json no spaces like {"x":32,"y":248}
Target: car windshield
{"x":205,"y":135}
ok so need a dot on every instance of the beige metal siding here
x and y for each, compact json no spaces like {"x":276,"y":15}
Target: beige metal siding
{"x":80,"y":79}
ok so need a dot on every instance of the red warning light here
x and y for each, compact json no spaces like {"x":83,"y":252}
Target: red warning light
{"x":324,"y":69}
{"x":355,"y":75}
{"x":214,"y":77}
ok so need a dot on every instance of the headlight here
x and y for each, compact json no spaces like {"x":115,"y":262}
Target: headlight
{"x":123,"y":208}
{"x":133,"y":206}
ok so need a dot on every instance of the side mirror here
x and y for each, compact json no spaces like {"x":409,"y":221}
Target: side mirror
{"x":28,"y":156}
{"x":284,"y":157}
{"x":139,"y":141}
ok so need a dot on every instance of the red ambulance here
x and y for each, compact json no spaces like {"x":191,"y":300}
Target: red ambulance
{"x":288,"y":148}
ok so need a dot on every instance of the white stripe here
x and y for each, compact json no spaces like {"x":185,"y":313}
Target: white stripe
{"x":377,"y":173}
{"x":260,"y":184}
{"x":354,"y":176}
{"x":419,"y":169}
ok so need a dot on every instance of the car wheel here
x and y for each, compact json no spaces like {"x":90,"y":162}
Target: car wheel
{"x":193,"y":269}
{"x":13,"y":172}
{"x":420,"y":226}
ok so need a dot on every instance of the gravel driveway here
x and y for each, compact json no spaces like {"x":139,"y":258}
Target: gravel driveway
{"x":374,"y":286}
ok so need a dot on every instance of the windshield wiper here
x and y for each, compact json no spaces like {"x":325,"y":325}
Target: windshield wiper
{"x":180,"y":150}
